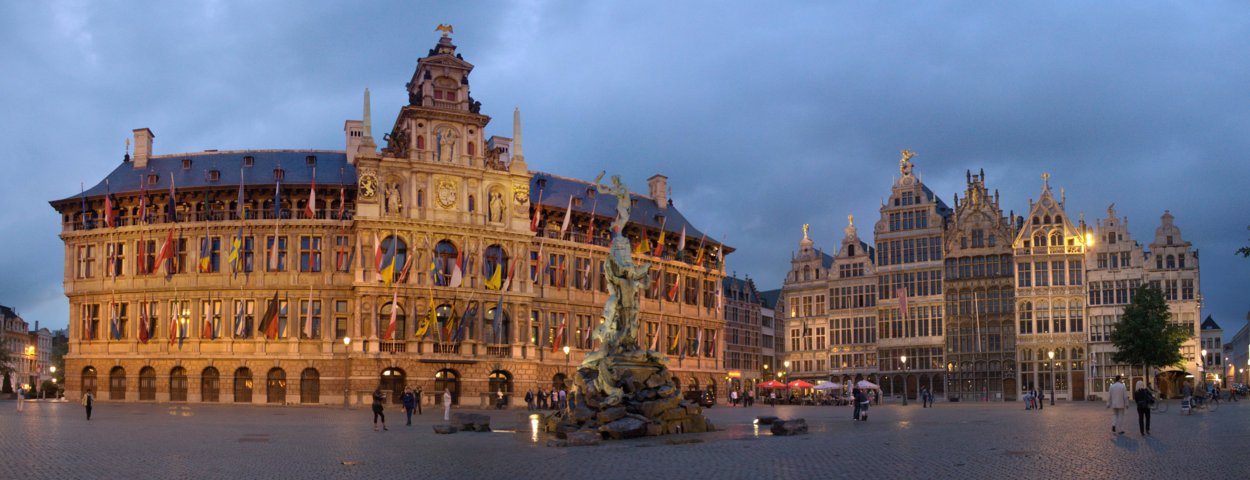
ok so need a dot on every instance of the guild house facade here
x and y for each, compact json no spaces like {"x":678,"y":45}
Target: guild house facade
{"x":314,"y":276}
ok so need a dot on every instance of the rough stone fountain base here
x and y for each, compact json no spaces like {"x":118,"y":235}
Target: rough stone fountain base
{"x":650,"y":405}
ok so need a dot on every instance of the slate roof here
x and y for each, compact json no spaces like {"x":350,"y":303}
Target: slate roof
{"x":296,"y":171}
{"x":741,"y":289}
{"x":1209,"y":324}
{"x":770,"y":297}
{"x":556,"y":191}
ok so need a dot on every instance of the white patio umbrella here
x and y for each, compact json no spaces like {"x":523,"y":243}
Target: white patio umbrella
{"x":869,"y":385}
{"x":828,"y":386}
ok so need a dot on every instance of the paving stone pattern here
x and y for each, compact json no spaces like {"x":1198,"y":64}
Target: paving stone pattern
{"x":128,"y":440}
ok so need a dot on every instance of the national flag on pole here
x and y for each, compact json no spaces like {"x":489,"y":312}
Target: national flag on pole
{"x":534,"y":218}
{"x":342,"y":196}
{"x":143,"y":201}
{"x":206,"y":263}
{"x":108,"y":205}
{"x":390,"y":326}
{"x":655,"y":338}
{"x":568,"y":215}
{"x":659,"y":246}
{"x":586,"y":273}
{"x":699,"y":259}
{"x":207,"y":330}
{"x":310,"y":210}
{"x":143,"y":322}
{"x":308,"y":315}
{"x":560,"y":273}
{"x":240,"y":206}
{"x":469,"y":318}
{"x":240,"y":325}
{"x":672,"y":291}
{"x":113,"y":323}
{"x":559,"y":333}
{"x":235,"y":255}
{"x":430,"y":319}
{"x":167,"y":253}
{"x":269,"y":323}
{"x":403,"y":273}
{"x":82,"y":195}
{"x":496,"y":278}
{"x":457,"y":275}
{"x":681,"y":242}
{"x":536,"y":274}
{"x":173,"y":327}
{"x":277,"y":200}
{"x":388,"y":267}
{"x":172,"y":216}
{"x":698,"y":342}
{"x":274,"y":248}
{"x":901,"y":292}
{"x":377,"y":253}
{"x":497,"y":322}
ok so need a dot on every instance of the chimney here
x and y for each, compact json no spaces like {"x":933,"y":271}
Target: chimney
{"x":658,"y":186}
{"x":143,"y":147}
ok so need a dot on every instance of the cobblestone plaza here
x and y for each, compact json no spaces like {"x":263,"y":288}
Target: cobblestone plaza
{"x":53,"y":440}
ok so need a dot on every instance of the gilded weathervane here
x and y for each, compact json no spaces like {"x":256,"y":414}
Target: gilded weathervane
{"x":443,"y":27}
{"x":805,"y":226}
{"x":904,"y":164}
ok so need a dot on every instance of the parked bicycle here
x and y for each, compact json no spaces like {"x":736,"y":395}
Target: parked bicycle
{"x":1159,"y":405}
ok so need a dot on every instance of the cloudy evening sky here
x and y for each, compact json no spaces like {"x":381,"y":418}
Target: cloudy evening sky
{"x":763,"y":115}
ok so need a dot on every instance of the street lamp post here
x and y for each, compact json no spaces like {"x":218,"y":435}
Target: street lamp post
{"x":904,"y":360}
{"x":1202,"y":374}
{"x":1051,"y":355}
{"x":566,"y":362}
{"x":347,"y":341}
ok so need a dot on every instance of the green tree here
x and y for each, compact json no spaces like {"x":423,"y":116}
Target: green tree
{"x":6,"y":369}
{"x":1244,"y":251}
{"x":1143,"y":335}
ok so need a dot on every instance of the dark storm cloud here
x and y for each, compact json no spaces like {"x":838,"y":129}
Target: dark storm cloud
{"x":763,"y":116}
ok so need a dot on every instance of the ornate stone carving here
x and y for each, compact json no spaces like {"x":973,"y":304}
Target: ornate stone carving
{"x":495,"y":206}
{"x":445,"y":191}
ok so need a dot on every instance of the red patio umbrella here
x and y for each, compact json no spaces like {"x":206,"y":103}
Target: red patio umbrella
{"x":771,"y":384}
{"x":799,"y":384}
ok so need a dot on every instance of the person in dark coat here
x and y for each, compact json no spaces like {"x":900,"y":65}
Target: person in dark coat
{"x":410,"y":403}
{"x":378,"y":398}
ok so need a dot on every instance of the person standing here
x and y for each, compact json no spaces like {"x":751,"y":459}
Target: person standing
{"x":857,"y":399}
{"x":1117,"y":401}
{"x":733,"y":398}
{"x":1144,"y":398}
{"x":529,"y":400}
{"x":410,"y":404}
{"x":21,"y":397}
{"x":924,"y":399}
{"x":750,"y":397}
{"x":88,"y":400}
{"x":446,"y":404}
{"x":863,"y":407}
{"x":500,"y":404}
{"x":378,"y":398}
{"x":772,"y":398}
{"x":417,"y":394}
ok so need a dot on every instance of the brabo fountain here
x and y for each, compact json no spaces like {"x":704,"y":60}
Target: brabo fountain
{"x":622,"y":390}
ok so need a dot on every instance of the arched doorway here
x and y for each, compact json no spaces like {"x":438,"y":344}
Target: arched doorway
{"x":210,"y":385}
{"x":89,"y":380}
{"x":450,"y":380}
{"x":147,"y":383}
{"x":309,"y":386}
{"x":275,"y":386}
{"x":392,"y":382}
{"x":557,"y":381}
{"x":243,"y":385}
{"x":694,"y":383}
{"x":500,"y":381}
{"x":178,"y":385}
{"x":117,"y":383}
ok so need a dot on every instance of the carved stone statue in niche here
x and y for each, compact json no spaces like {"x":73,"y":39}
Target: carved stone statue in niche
{"x":446,"y":145}
{"x":392,"y":198}
{"x":495,"y":210}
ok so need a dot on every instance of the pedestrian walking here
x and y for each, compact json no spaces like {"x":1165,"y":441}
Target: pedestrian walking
{"x":410,"y":404}
{"x":500,"y":404}
{"x":1144,"y":399}
{"x":21,"y":398}
{"x":857,"y":400}
{"x":930,"y":394}
{"x":1117,"y":401}
{"x":772,"y":398}
{"x":88,"y":400}
{"x":529,"y":400}
{"x":446,"y":404}
{"x":563,"y":398}
{"x":750,"y":397}
{"x":378,"y":398}
{"x":733,"y":398}
{"x":863,"y":407}
{"x":924,"y":398}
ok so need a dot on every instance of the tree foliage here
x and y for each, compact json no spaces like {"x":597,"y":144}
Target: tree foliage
{"x":6,"y":369}
{"x":1143,"y":335}
{"x":1244,"y":251}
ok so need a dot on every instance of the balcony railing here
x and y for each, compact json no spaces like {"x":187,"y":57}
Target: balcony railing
{"x":393,"y":347}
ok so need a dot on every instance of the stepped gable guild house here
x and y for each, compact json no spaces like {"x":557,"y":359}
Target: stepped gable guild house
{"x":313,"y":276}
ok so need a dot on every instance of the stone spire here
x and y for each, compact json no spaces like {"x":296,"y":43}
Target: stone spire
{"x":516,"y":135}
{"x":368,"y":120}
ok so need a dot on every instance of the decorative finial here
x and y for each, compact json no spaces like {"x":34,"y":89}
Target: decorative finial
{"x":904,"y":164}
{"x":805,"y":226}
{"x":443,"y":27}
{"x":850,"y":220}
{"x":1046,"y":181}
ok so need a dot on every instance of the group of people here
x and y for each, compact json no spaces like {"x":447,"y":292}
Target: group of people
{"x":409,"y":399}
{"x":555,"y":399}
{"x":747,"y":399}
{"x":1118,"y":400}
{"x":1033,"y":399}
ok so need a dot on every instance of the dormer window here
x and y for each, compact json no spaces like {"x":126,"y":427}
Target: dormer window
{"x":311,"y":160}
{"x":633,"y":203}
{"x":248,"y":160}
{"x":278,"y":174}
{"x":542,"y":183}
{"x":186,"y":164}
{"x":214,"y":175}
{"x":577,"y":202}
{"x":590,"y":192}
{"x":152,"y":179}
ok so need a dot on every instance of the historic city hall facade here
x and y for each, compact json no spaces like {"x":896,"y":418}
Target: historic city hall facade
{"x":302,"y":276}
{"x":984,"y":305}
